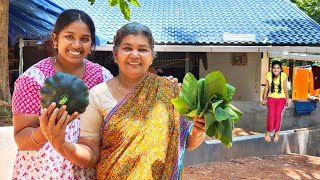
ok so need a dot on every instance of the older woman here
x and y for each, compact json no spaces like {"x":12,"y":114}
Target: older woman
{"x":130,"y":129}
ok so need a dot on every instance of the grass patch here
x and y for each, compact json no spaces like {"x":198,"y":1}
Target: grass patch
{"x":5,"y":116}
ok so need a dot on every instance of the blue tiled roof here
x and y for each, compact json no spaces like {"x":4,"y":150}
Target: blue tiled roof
{"x":275,"y":22}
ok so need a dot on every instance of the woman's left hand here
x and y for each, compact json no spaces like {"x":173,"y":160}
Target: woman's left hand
{"x":174,"y":81}
{"x":197,"y":134}
{"x":199,"y":127}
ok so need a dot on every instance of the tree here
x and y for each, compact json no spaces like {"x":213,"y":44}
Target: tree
{"x":310,"y":7}
{"x":4,"y":62}
{"x":123,"y":6}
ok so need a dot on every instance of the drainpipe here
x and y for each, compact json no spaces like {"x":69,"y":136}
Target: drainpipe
{"x":291,"y":72}
{"x":187,"y":63}
{"x":21,"y":45}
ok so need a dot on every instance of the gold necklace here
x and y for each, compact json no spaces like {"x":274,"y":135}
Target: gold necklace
{"x":59,"y":68}
{"x":55,"y":61}
{"x":119,"y":87}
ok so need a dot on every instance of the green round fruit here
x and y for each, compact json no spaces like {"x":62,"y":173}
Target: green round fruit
{"x":65,"y":89}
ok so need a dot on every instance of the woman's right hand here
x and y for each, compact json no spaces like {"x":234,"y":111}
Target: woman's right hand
{"x":264,"y":102}
{"x":53,"y":123}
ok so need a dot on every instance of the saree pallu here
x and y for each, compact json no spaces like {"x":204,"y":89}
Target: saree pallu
{"x":144,"y":137}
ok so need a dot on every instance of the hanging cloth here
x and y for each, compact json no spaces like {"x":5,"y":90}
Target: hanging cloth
{"x":300,"y":84}
{"x":286,"y":70}
{"x":312,"y":90}
{"x":316,"y":77}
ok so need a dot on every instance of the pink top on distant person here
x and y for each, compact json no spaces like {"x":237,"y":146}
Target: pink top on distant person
{"x":46,"y":163}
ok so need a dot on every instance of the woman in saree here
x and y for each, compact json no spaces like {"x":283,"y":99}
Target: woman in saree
{"x":130,"y":130}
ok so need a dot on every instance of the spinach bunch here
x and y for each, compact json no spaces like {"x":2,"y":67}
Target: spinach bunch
{"x":209,"y":97}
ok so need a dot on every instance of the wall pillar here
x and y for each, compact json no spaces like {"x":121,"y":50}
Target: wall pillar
{"x":264,"y":69}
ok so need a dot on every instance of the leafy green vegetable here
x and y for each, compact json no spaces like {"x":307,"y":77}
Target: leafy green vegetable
{"x":211,"y":98}
{"x":189,"y":91}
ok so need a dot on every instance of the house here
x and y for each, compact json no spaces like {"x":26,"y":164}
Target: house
{"x":236,"y":37}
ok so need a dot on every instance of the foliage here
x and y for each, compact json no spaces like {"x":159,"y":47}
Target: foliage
{"x":123,"y":6}
{"x":209,"y":97}
{"x":5,"y":111}
{"x":310,"y":7}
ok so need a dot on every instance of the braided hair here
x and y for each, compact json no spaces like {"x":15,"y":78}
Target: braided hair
{"x":272,"y":83}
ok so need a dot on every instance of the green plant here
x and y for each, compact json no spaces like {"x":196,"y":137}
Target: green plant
{"x":65,"y":89}
{"x":310,"y":7}
{"x":5,"y":111}
{"x":123,"y":6}
{"x":211,"y":98}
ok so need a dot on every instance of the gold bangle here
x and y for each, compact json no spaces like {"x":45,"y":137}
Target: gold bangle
{"x":32,"y":137}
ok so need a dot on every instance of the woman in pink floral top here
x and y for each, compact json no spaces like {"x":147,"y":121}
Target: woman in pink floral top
{"x":73,"y":38}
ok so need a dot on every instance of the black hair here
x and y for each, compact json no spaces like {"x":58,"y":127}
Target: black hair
{"x":71,"y":15}
{"x":133,"y":28}
{"x":272,"y":83}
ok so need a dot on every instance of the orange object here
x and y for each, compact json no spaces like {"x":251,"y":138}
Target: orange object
{"x":300,"y":84}
{"x":285,"y":69}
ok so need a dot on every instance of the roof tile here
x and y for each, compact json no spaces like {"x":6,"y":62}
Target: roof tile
{"x":205,"y":21}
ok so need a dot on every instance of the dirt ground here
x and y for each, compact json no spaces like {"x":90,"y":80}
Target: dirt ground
{"x":282,"y":167}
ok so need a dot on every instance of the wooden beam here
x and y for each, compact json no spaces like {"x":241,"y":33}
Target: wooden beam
{"x":4,"y":62}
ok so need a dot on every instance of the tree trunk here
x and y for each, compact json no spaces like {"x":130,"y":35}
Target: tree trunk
{"x":4,"y":62}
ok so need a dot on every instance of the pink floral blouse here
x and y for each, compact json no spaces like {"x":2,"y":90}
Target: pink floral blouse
{"x":46,"y":163}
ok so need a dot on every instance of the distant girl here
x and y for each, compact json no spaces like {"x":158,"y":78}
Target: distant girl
{"x":276,"y":96}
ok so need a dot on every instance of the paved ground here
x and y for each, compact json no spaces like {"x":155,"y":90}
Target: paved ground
{"x":8,"y":150}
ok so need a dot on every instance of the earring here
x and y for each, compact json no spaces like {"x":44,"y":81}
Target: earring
{"x":55,"y":46}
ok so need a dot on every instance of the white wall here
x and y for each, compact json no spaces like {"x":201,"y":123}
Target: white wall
{"x":246,"y":79}
{"x":8,"y":151}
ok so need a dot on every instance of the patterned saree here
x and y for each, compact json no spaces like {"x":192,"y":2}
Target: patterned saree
{"x":144,"y":137}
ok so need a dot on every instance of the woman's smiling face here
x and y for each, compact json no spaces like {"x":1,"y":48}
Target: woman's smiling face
{"x":134,"y":55}
{"x":74,"y":42}
{"x":276,"y":69}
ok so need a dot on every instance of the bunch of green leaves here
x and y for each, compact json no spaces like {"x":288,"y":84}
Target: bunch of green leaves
{"x":209,"y":97}
{"x":123,"y":6}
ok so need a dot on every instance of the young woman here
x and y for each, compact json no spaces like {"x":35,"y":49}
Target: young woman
{"x":276,"y":96}
{"x":130,"y":129}
{"x":73,"y":38}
